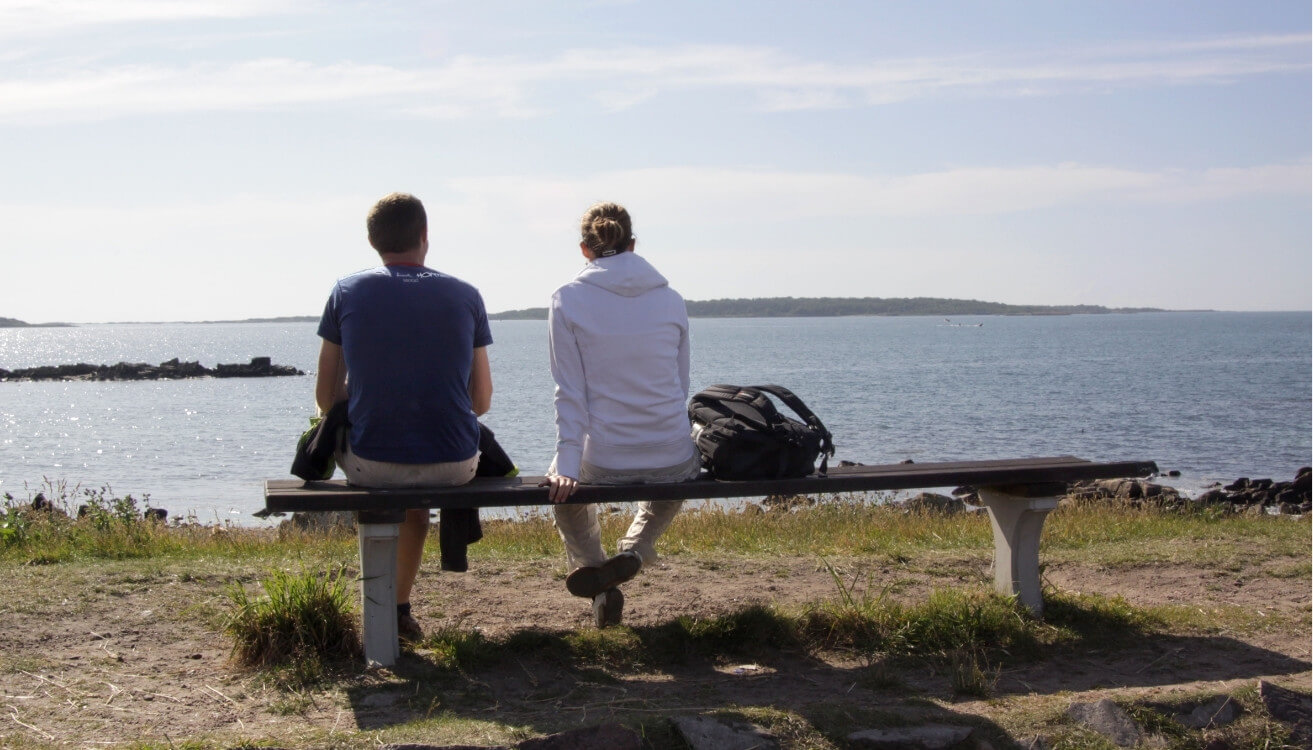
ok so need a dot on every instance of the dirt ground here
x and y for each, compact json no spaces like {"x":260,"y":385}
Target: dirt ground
{"x":121,"y":652}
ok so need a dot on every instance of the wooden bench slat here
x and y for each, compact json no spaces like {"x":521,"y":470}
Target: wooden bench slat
{"x":295,"y":495}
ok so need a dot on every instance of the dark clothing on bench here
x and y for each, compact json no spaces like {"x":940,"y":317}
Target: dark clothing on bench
{"x":314,"y":454}
{"x":457,"y":527}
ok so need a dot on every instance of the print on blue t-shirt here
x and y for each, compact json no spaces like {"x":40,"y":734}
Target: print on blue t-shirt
{"x":408,"y":334}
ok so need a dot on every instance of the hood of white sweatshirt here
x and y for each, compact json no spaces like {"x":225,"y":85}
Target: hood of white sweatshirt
{"x":626,"y":274}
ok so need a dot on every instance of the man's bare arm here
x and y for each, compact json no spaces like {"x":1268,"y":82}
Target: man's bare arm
{"x":480,"y":381}
{"x":330,"y":381}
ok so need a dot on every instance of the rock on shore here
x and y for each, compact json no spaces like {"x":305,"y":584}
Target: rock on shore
{"x":259,"y":367}
{"x":1244,"y":494}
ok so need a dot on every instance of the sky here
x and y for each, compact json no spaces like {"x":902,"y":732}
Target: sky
{"x":214,"y":159}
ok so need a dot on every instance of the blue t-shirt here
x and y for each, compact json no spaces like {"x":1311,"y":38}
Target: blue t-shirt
{"x":408,"y":334}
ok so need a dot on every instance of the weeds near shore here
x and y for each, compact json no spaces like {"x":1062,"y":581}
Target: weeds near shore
{"x":859,"y":525}
{"x":117,"y":527}
{"x":61,"y":522}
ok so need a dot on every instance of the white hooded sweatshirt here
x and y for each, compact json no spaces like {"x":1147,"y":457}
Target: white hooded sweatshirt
{"x":620,"y":358}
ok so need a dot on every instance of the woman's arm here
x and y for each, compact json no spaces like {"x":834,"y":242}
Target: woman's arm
{"x":480,"y":381}
{"x":682,"y":359}
{"x":330,"y":381}
{"x":571,"y":403}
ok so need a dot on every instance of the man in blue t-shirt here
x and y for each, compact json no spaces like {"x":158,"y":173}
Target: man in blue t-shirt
{"x":406,"y":347}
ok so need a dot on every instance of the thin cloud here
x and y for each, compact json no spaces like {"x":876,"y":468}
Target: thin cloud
{"x":470,"y":86}
{"x":718,"y":196}
{"x":728,"y":196}
{"x":24,"y":17}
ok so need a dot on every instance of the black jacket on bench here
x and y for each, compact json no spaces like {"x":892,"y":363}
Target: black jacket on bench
{"x":457,"y":527}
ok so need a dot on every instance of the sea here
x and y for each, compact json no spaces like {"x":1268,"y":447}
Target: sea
{"x":1212,"y":395}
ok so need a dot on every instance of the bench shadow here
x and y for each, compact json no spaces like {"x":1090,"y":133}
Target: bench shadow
{"x":1147,"y":662}
{"x":547,"y":682}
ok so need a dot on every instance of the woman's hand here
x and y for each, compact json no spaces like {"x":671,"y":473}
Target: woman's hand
{"x":559,"y":488}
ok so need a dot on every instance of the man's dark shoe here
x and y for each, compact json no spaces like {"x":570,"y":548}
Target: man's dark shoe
{"x":408,"y":629}
{"x":608,"y":608}
{"x":589,"y":582}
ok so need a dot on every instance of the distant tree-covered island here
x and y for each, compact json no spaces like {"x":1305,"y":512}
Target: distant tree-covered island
{"x":283,"y":319}
{"x":16,"y":323}
{"x":829,"y":307}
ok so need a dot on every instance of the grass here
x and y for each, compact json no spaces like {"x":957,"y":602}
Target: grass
{"x":856,"y":525}
{"x":82,"y":524}
{"x":297,"y":627}
{"x":970,"y":633}
{"x":303,"y":621}
{"x":112,"y":527}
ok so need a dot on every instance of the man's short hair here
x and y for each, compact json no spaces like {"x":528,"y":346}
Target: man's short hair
{"x":396,"y":223}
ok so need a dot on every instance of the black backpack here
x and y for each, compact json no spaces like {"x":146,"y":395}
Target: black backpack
{"x":741,"y":435}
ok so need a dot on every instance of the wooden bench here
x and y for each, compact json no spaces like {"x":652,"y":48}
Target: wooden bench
{"x":1017,"y":494}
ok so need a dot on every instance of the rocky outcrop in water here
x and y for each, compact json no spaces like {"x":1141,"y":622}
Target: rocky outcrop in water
{"x":259,"y":367}
{"x":1244,"y":494}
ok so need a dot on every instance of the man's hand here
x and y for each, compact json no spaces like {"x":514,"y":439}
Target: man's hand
{"x":560,"y":488}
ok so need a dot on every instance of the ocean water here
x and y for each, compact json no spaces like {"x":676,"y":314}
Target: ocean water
{"x":1215,"y":396}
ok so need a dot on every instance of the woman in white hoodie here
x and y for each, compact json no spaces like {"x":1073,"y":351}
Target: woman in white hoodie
{"x":620,"y":358}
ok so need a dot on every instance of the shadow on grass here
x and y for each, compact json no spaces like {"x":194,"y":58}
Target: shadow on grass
{"x":775,"y":670}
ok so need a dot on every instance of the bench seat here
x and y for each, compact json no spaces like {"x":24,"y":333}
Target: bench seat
{"x":1017,"y":494}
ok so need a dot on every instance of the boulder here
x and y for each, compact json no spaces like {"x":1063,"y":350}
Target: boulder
{"x":260,"y":367}
{"x":925,"y":737}
{"x":929,"y":502}
{"x":1133,"y":492}
{"x":1303,"y":481}
{"x":1250,"y":494}
{"x":171,"y":370}
{"x":601,"y":737}
{"x":710,"y":733}
{"x":320,"y":522}
{"x":1289,"y":707}
{"x":1216,"y":712}
{"x":1108,"y":719}
{"x":967,"y":494}
{"x":787,"y":502}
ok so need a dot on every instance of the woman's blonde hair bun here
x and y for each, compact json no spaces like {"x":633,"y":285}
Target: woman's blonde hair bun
{"x":606,"y":229}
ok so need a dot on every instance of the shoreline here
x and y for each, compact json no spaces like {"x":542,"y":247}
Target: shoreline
{"x":1242,"y":495}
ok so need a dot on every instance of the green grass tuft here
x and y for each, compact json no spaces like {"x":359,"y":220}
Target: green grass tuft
{"x":302,"y":621}
{"x":950,"y":619}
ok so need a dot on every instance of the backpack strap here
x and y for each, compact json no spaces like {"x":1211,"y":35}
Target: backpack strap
{"x":813,"y":421}
{"x":731,"y":402}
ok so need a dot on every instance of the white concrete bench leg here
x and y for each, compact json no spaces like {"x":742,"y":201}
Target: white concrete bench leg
{"x":1017,"y":520}
{"x":378,"y":589}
